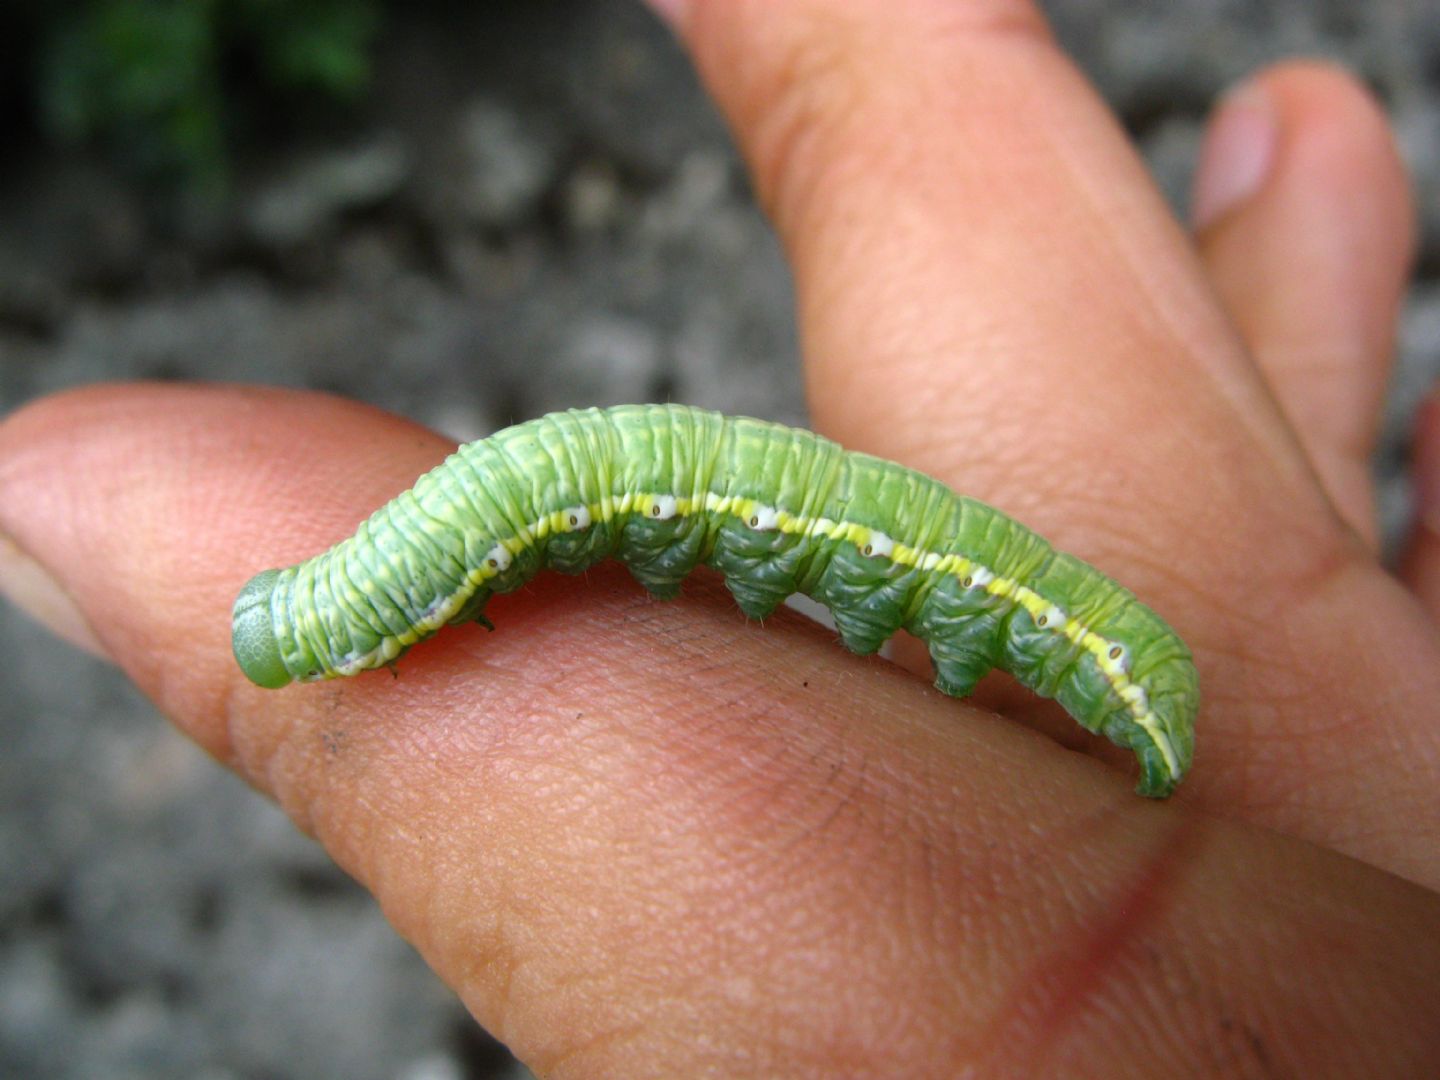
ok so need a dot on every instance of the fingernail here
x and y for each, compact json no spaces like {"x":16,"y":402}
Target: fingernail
{"x":31,"y":588}
{"x":672,"y":11}
{"x":1237,"y":153}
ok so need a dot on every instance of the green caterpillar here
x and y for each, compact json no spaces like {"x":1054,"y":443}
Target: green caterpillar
{"x":777,"y":511}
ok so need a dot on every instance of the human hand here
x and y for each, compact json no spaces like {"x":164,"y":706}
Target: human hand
{"x":719,"y":847}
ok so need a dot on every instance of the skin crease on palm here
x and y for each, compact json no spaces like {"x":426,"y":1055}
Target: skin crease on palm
{"x":714,"y":848}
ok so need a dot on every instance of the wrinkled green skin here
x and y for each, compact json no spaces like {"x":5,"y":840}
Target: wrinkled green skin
{"x":308,"y":621}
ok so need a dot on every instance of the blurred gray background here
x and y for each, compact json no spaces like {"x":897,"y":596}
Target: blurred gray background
{"x":534,"y":207}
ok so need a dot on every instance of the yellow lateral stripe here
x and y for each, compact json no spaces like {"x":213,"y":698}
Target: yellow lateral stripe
{"x":958,"y":566}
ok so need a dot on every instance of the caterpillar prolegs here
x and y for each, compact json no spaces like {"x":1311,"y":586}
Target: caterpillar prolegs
{"x":777,"y":511}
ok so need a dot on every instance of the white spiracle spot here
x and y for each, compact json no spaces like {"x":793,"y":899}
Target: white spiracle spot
{"x":764,"y":519}
{"x":1116,"y":659}
{"x":498,"y":558}
{"x":1052,"y":618}
{"x":879,"y":545}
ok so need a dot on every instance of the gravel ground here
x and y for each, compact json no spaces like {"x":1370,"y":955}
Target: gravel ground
{"x":551,"y":215}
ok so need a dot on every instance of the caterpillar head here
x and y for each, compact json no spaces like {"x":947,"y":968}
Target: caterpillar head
{"x":253,"y":633}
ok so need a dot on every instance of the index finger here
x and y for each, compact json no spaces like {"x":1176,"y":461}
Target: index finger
{"x":991,"y":288}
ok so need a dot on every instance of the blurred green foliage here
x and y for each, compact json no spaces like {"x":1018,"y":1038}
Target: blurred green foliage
{"x":165,"y":84}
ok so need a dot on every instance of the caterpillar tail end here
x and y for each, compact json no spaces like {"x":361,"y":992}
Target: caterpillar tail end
{"x":1165,"y":758}
{"x":252,"y":634}
{"x":1158,"y":779}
